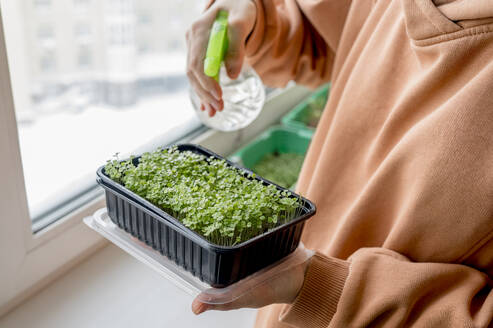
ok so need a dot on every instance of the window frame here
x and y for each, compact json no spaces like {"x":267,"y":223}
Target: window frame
{"x":26,"y":258}
{"x":22,"y":259}
{"x":29,"y":261}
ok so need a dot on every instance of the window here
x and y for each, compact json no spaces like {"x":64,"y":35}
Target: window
{"x":82,"y":32}
{"x":84,"y":58}
{"x":45,"y":36}
{"x":45,"y":32}
{"x":78,"y":98}
{"x":144,"y":18}
{"x":121,"y":34}
{"x":42,"y":4}
{"x":78,"y":128}
{"x":82,"y":5}
{"x":122,"y":6}
{"x":143,"y":47}
{"x":47,"y":60}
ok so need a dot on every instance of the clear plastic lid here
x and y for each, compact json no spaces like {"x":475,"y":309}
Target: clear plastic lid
{"x":183,"y":279}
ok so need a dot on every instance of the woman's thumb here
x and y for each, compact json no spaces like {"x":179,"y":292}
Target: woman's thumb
{"x":236,"y":51}
{"x":233,"y":63}
{"x":198,"y":307}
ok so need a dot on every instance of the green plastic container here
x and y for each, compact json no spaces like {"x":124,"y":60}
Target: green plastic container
{"x":278,"y":139}
{"x":295,"y":118}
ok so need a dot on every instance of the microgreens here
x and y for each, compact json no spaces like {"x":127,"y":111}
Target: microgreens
{"x":282,"y":169}
{"x":218,"y":201}
{"x":315,"y":108}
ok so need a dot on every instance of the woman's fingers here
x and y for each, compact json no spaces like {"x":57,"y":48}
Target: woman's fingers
{"x":240,"y":24}
{"x":205,"y":97}
{"x":210,"y":110}
{"x":281,"y":287}
{"x":236,"y":49}
{"x":197,"y":37}
{"x":254,"y":299}
{"x":262,"y":295}
{"x":197,"y":66}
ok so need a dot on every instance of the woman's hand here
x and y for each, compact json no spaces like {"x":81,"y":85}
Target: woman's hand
{"x":280,"y":283}
{"x":241,"y":19}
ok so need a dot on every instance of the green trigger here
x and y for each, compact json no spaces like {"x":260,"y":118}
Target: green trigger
{"x":217,"y":46}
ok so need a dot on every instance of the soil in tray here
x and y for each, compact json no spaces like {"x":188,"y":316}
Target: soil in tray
{"x":315,"y":108}
{"x":218,"y":201}
{"x":280,"y":168}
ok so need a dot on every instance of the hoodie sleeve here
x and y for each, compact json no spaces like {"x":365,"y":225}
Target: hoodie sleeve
{"x":296,"y":40}
{"x":377,"y":287}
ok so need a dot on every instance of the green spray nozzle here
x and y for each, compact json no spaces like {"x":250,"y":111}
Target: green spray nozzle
{"x":218,"y":43}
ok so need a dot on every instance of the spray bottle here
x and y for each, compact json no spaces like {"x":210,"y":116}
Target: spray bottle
{"x":243,"y":97}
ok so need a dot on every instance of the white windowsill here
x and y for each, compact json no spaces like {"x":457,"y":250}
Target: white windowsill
{"x":112,"y":289}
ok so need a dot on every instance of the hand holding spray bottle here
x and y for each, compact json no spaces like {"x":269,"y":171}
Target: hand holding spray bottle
{"x":243,"y":97}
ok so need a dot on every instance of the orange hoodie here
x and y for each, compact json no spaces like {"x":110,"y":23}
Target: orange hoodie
{"x":401,"y":165}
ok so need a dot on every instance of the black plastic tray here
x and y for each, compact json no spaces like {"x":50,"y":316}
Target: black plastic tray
{"x":217,"y":265}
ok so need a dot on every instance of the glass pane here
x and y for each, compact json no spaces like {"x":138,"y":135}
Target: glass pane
{"x":92,"y":78}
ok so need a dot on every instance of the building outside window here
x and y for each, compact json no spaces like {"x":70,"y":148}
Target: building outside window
{"x":47,"y":62}
{"x":84,"y":56}
{"x":82,"y":32}
{"x":114,"y":57}
{"x":144,"y":18}
{"x":42,"y":4}
{"x":82,"y":5}
{"x":46,"y":35}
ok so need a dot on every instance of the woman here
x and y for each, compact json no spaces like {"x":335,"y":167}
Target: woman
{"x":401,"y":164}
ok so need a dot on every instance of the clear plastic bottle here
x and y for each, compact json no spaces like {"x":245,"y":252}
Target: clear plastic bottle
{"x":243,"y":99}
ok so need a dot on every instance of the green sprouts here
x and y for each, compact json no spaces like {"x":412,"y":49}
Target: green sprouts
{"x":206,"y":194}
{"x":315,"y":108}
{"x":282,"y":169}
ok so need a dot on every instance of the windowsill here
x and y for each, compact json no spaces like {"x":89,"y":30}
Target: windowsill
{"x":112,"y":289}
